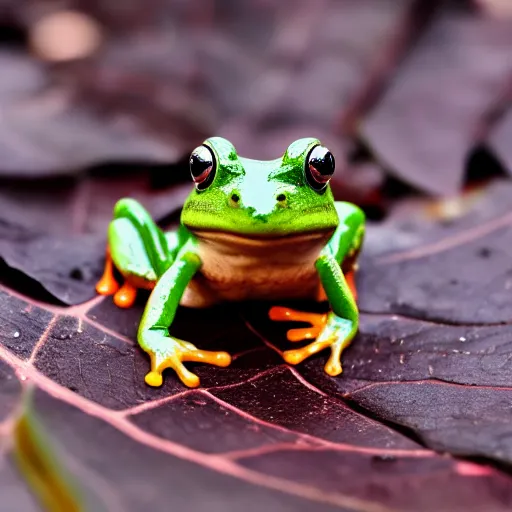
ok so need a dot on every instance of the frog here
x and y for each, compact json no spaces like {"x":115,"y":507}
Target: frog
{"x":258,"y":230}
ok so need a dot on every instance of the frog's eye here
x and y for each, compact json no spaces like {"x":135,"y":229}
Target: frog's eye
{"x":319,"y":168}
{"x":202,"y":167}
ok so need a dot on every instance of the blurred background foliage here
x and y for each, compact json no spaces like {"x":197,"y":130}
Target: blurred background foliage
{"x":412,"y":96}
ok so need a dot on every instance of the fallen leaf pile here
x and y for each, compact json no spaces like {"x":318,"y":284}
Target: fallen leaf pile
{"x":413,"y":97}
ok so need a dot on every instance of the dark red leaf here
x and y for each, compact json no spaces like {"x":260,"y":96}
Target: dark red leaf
{"x":45,"y":133}
{"x":404,"y":483}
{"x":323,"y":55}
{"x":433,"y":410}
{"x":450,"y":271}
{"x":155,"y":96}
{"x":500,"y":141}
{"x":135,"y":471}
{"x":60,"y":240}
{"x":68,"y":267}
{"x":305,"y":410}
{"x":198,"y":421}
{"x":259,"y":427}
{"x":428,"y":120}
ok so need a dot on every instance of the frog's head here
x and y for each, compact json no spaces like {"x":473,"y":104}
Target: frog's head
{"x":286,"y":196}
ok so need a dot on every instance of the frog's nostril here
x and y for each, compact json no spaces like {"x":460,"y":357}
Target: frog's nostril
{"x":234,"y":200}
{"x":281,"y":197}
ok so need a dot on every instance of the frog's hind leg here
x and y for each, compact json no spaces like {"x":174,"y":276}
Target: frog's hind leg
{"x":125,"y":252}
{"x":137,"y":248}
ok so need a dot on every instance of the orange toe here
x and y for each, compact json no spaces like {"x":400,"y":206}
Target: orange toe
{"x":107,"y":285}
{"x":304,"y":333}
{"x":281,"y":314}
{"x":125,"y":296}
{"x":317,"y":321}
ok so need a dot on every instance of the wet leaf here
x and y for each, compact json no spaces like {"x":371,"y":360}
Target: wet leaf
{"x":283,"y":437}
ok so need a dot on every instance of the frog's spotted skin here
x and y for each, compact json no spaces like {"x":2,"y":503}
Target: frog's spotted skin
{"x":249,"y":230}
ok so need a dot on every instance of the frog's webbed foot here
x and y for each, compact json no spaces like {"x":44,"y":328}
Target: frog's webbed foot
{"x":317,"y":321}
{"x":328,"y":329}
{"x":168,"y":352}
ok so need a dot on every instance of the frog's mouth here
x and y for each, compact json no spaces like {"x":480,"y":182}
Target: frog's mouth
{"x":264,"y":240}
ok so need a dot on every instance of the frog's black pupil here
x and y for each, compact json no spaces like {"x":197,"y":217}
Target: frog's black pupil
{"x":202,"y":167}
{"x":325,"y":165}
{"x":198,"y":165}
{"x":319,"y":168}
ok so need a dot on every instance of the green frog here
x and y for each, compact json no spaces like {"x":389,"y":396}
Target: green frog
{"x":250,"y":229}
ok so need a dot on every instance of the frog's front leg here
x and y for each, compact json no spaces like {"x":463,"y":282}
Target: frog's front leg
{"x":337,"y":328}
{"x":164,"y":350}
{"x":334,"y":330}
